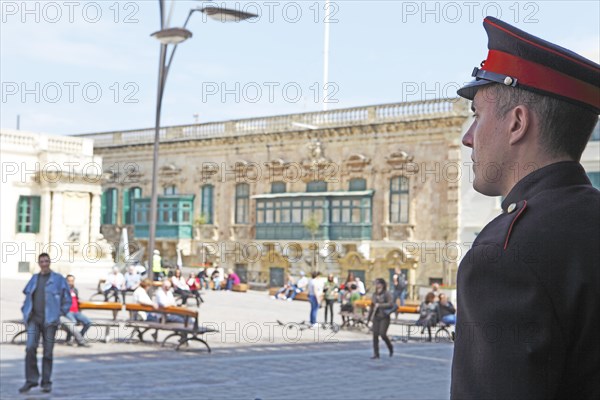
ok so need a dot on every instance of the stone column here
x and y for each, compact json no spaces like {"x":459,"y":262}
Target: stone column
{"x":45,"y":214}
{"x":57,"y":227}
{"x":412,"y":280}
{"x":95,"y":209}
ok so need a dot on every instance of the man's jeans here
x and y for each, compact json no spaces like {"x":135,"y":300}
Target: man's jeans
{"x":399,"y":295}
{"x":48,"y":333}
{"x":72,"y":319}
{"x":314,"y":308}
{"x":449,"y":319}
{"x":293,"y":292}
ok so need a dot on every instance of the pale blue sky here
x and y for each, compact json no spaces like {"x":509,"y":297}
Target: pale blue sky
{"x":380,"y":52}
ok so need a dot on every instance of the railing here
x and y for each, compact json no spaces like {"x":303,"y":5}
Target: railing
{"x":40,"y":142}
{"x":409,"y":111}
{"x":65,"y":144}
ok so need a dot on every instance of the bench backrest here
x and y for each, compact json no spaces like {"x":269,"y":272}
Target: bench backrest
{"x":100,"y":305}
{"x":184,"y":312}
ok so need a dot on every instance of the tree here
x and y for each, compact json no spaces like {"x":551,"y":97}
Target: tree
{"x":312,"y":225}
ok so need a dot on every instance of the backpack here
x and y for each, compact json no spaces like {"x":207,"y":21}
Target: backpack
{"x":401,"y":283}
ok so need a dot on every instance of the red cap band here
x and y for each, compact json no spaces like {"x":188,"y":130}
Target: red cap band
{"x":543,"y":78}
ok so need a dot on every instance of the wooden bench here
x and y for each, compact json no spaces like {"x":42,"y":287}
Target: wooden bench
{"x":303,"y":296}
{"x":242,"y":287}
{"x":352,"y":319}
{"x":107,"y":323}
{"x":410,"y":307}
{"x":186,"y":331}
{"x":84,"y":305}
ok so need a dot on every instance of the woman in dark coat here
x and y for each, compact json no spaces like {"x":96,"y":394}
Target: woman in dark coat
{"x":382,"y":301}
{"x":428,"y":311}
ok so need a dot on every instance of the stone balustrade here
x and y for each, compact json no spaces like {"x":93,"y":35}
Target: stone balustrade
{"x":385,"y":113}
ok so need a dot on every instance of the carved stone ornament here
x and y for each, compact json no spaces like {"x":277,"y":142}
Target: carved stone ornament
{"x":357,"y":162}
{"x":206,"y":172}
{"x":169,"y":171}
{"x":316,"y":154}
{"x":277,"y":165}
{"x":399,"y":159}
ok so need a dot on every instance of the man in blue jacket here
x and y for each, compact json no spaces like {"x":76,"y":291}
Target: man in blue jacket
{"x":47,"y":297}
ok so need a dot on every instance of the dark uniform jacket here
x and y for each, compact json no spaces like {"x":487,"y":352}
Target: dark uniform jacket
{"x":529,"y":294}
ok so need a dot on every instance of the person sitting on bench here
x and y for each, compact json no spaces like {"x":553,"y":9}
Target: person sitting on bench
{"x":181,"y":287}
{"x":446,"y":310}
{"x":132,"y":281}
{"x":164,"y":298}
{"x":75,"y":315}
{"x":140,"y":296}
{"x":428,"y":311}
{"x":115,"y":282}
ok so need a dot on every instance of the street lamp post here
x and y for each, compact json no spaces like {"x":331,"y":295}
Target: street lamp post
{"x":174,"y":36}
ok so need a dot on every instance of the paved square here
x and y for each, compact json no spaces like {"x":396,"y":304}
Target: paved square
{"x":253,"y":358}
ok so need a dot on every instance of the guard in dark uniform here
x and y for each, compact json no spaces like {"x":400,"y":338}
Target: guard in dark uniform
{"x":528,"y":319}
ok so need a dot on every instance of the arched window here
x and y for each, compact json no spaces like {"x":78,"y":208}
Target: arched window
{"x":399,"y":200}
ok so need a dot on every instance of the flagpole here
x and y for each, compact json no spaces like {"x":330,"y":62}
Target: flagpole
{"x":326,"y":55}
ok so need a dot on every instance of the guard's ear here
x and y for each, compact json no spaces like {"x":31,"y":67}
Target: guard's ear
{"x":520,"y":120}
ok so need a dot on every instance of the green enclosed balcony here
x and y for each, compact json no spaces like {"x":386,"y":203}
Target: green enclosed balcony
{"x":332,"y":215}
{"x":174,"y":219}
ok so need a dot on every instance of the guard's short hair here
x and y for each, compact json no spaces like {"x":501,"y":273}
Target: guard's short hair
{"x":44,"y":255}
{"x":565,"y":128}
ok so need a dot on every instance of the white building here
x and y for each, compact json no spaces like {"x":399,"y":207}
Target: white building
{"x":51,"y":203}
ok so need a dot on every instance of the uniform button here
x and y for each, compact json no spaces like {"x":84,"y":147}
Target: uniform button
{"x":511,"y":208}
{"x":508,"y":81}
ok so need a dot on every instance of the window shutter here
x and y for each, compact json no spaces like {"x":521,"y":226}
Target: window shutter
{"x":103,"y":208}
{"x":126,"y":206}
{"x":35,"y":214}
{"x":21,"y":214}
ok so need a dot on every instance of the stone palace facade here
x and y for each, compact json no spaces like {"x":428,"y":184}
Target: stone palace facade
{"x":364,"y":189}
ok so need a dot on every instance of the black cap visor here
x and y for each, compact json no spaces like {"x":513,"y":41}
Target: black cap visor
{"x":470,"y":89}
{"x":483,"y":77}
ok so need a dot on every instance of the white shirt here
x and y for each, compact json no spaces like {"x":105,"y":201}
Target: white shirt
{"x":117,"y":281}
{"x":315,"y":287}
{"x":179,"y":283}
{"x":132,"y":280}
{"x":302,"y":283}
{"x":165,"y":299}
{"x":140,"y":296}
{"x":361,"y":288}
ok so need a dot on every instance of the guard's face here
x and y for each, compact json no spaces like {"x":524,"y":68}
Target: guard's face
{"x":487,"y":138}
{"x":71,"y":281}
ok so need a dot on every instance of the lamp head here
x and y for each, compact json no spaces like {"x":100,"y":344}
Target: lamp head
{"x":172,"y":35}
